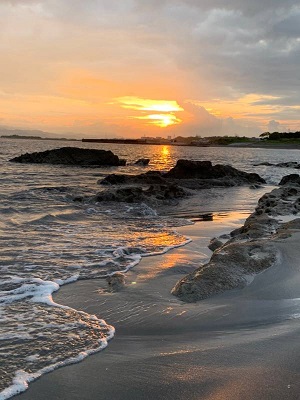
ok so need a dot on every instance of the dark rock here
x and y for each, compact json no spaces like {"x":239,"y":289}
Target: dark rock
{"x":116,"y":281}
{"x":251,"y":248}
{"x":127,"y":195}
{"x":267,"y":164}
{"x":135,"y":194}
{"x":142,"y":161}
{"x":191,"y":174}
{"x":290,"y":179}
{"x":149,"y":178}
{"x":215,"y":244}
{"x":289,"y":164}
{"x":228,"y":268}
{"x":186,"y":169}
{"x":255,"y":186}
{"x":72,"y":156}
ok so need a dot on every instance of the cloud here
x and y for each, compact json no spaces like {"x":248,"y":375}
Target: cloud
{"x":157,"y":49}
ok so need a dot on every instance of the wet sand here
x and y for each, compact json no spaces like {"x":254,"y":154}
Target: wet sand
{"x":243,"y":344}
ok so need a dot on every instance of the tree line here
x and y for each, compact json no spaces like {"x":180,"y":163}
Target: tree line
{"x":280,"y":135}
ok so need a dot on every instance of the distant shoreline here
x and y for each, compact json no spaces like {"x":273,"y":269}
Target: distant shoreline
{"x":36,"y":138}
{"x":258,"y":144}
{"x":252,"y":145}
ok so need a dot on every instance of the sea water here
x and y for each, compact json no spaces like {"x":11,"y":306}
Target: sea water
{"x":48,"y":240}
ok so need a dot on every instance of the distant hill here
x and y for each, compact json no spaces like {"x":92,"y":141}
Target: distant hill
{"x":28,"y":133}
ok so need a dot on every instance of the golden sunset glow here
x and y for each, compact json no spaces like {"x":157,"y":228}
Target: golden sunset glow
{"x":136,"y":103}
{"x":161,"y":120}
{"x":123,"y":79}
{"x":166,"y":110}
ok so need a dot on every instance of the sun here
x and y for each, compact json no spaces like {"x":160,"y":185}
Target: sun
{"x":165,"y":109}
{"x":161,"y":120}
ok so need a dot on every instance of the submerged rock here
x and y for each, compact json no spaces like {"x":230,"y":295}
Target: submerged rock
{"x":72,"y":156}
{"x":149,"y":178}
{"x":134,"y":194}
{"x":142,"y":161}
{"x":289,"y":164}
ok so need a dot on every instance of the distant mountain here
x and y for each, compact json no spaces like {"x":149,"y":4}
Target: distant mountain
{"x":4,"y":131}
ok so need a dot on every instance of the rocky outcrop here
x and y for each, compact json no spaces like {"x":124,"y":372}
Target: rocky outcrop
{"x":228,"y":268}
{"x":204,"y":170}
{"x":189,"y":174}
{"x":289,"y":164}
{"x":135,"y":194}
{"x":250,"y":250}
{"x":72,"y":156}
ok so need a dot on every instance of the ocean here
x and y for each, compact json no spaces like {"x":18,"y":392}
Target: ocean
{"x":48,"y":240}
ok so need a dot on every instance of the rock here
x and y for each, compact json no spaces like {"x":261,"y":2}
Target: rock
{"x":290,"y":179}
{"x":228,"y":268}
{"x":135,"y":194}
{"x":251,"y":248}
{"x":190,"y":174}
{"x":72,"y":156}
{"x":267,"y":164}
{"x":204,"y":170}
{"x":149,"y":178}
{"x":215,"y":244}
{"x":116,"y":281}
{"x":289,"y":164}
{"x":255,"y":186}
{"x":142,"y":161}
{"x":282,"y":201}
{"x":127,"y":195}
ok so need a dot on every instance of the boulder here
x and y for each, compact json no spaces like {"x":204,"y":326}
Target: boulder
{"x":142,"y":161}
{"x":293,"y":179}
{"x":72,"y":156}
{"x":215,"y":244}
{"x":116,"y":281}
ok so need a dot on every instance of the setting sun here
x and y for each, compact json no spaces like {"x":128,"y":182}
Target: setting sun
{"x":166,"y":110}
{"x":161,"y":120}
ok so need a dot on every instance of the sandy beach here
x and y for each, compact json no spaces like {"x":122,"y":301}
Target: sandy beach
{"x":242,"y":344}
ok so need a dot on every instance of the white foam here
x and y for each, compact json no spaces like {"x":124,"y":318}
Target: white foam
{"x":22,"y":378}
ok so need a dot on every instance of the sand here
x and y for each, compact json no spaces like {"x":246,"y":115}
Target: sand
{"x":243,"y":344}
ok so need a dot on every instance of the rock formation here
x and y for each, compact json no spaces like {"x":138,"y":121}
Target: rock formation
{"x":134,"y":194}
{"x":72,"y":156}
{"x":251,"y":249}
{"x":289,"y":164}
{"x":189,"y":174}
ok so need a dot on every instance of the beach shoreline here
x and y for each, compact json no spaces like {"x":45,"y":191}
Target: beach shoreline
{"x":219,"y":348}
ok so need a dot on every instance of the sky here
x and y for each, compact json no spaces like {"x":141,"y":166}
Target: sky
{"x":133,"y":68}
